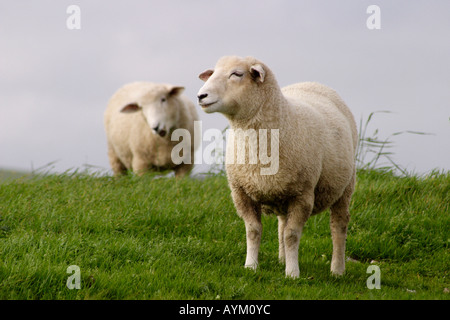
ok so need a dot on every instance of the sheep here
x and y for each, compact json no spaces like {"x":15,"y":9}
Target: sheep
{"x":139,"y":120}
{"x":317,"y":145}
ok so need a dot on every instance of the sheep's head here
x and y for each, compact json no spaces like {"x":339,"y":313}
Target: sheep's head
{"x":160,"y":107}
{"x":233,"y":87}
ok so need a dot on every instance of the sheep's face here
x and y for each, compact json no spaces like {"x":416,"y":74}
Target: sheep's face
{"x":160,"y":109}
{"x":228,"y":87}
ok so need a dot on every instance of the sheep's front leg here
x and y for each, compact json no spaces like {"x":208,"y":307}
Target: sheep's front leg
{"x":299,"y":211}
{"x":140,"y":166}
{"x":253,"y":232}
{"x":250,"y":212}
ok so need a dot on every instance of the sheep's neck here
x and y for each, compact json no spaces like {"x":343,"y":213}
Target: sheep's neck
{"x":268,"y":115}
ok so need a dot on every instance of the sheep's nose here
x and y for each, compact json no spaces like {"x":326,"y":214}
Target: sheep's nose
{"x":162,"y":133}
{"x":202,"y":96}
{"x":159,"y":130}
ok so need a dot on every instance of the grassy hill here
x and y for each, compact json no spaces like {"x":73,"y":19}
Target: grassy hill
{"x":147,"y":238}
{"x":11,"y":174}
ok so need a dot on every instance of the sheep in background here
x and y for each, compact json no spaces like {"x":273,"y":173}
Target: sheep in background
{"x":139,"y":121}
{"x":317,"y":144}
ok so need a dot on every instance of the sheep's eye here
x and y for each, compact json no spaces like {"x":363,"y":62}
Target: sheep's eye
{"x":237,"y":74}
{"x":163,"y":99}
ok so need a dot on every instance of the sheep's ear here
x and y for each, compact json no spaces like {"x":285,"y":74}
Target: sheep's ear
{"x":257,"y":72}
{"x":130,"y":108}
{"x":206,"y":74}
{"x":175,"y":91}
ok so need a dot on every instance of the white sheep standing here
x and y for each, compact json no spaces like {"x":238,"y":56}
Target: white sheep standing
{"x":317,"y":144}
{"x":139,"y":120}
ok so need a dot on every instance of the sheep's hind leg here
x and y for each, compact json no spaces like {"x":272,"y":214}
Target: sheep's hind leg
{"x":339,"y":218}
{"x":281,"y":249}
{"x":298,"y":212}
{"x":183,"y":170}
{"x":116,"y":165}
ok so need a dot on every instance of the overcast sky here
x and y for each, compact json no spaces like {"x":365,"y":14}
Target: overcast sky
{"x":55,"y":82}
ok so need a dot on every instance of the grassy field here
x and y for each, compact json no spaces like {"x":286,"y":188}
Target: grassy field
{"x":148,"y":238}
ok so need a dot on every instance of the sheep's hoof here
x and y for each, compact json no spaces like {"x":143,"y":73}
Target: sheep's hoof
{"x":294,"y":274}
{"x":337,"y":272}
{"x":252,"y":266}
{"x":337,"y":267}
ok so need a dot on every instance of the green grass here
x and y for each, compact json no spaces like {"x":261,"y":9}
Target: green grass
{"x":147,"y":238}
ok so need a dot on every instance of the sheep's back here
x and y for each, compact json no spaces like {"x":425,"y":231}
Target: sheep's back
{"x":324,"y":101}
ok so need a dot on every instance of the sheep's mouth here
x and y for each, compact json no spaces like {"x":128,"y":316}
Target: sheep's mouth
{"x":206,"y":105}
